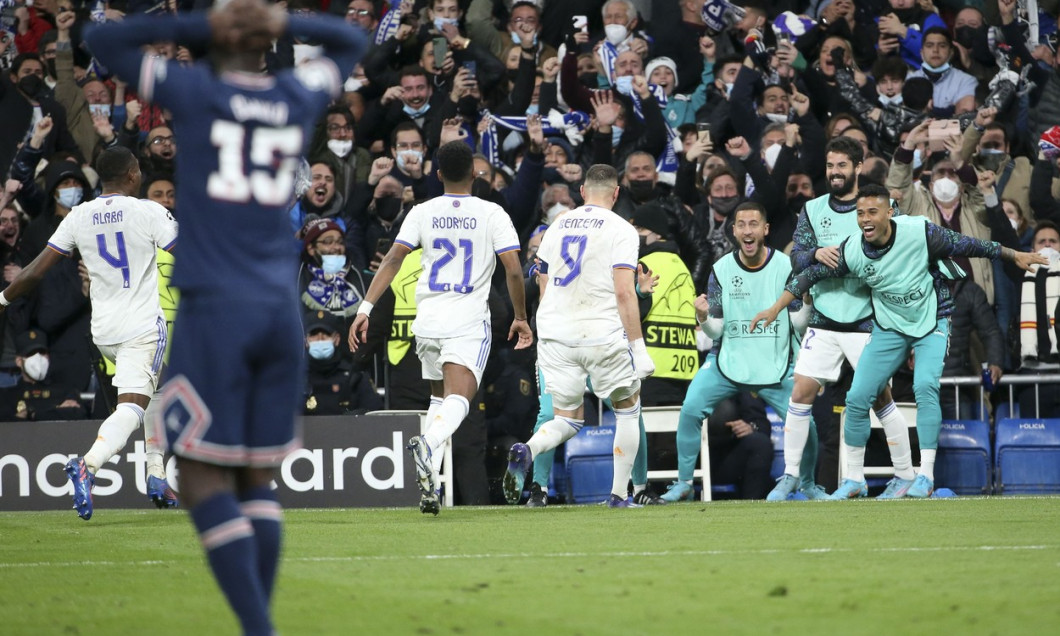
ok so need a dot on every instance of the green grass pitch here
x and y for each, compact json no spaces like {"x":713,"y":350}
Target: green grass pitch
{"x":952,"y":567}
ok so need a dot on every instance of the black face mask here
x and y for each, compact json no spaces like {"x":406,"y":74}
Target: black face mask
{"x":31,"y":85}
{"x":481,"y":188}
{"x":388,"y":208}
{"x":796,"y":202}
{"x":641,"y":189}
{"x":643,"y":244}
{"x":589,"y":79}
{"x":725,"y":205}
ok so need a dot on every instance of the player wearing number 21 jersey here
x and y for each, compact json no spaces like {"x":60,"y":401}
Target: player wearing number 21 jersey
{"x":462,"y":237}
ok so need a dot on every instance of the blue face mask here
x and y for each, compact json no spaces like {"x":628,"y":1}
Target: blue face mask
{"x":333,"y":263}
{"x":516,"y":40}
{"x":532,"y":109}
{"x":404,"y":153}
{"x":69,"y":197}
{"x":616,"y":135}
{"x":440,"y":22}
{"x":624,"y":84}
{"x":932,"y":69}
{"x":416,"y":114}
{"x":321,"y":349}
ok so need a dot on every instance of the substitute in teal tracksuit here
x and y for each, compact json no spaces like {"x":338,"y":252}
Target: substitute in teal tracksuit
{"x":744,"y":359}
{"x":903,"y":260}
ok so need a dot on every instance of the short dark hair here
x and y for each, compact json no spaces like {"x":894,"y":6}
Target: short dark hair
{"x":114,"y":163}
{"x":751,"y":205}
{"x":456,"y":162}
{"x":153,"y":178}
{"x":874,"y":190}
{"x":22,"y":58}
{"x":402,"y":127}
{"x":848,"y":147}
{"x":996,"y":125}
{"x":917,"y":92}
{"x":601,"y":176}
{"x":413,"y":70}
{"x":943,"y":31}
{"x":1044,"y":225}
{"x":725,"y":60}
{"x":724,"y":171}
{"x":890,"y":66}
{"x":340,"y":109}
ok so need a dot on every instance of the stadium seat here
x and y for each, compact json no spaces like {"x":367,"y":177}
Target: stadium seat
{"x":589,"y":462}
{"x":1027,"y":453}
{"x":963,"y":460}
{"x":776,"y":434}
{"x":445,"y":475}
{"x":1004,"y":412}
{"x":663,"y":419}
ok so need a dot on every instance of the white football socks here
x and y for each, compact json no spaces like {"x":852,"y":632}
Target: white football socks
{"x":113,"y":433}
{"x":927,"y":463}
{"x":154,"y":446}
{"x":796,"y":432}
{"x":553,"y":433}
{"x":897,"y":432}
{"x":855,"y":462}
{"x":451,"y":412}
{"x":627,"y":442}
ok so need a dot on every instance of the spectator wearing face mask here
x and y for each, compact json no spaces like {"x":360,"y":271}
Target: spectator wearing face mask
{"x":383,"y":218}
{"x":524,"y":24}
{"x":901,"y":30}
{"x":334,"y":137}
{"x":23,"y":104}
{"x":986,"y":146}
{"x":323,"y":200}
{"x":954,"y":90}
{"x":333,"y":387}
{"x":37,"y":396}
{"x":329,"y":280}
{"x":951,"y":198}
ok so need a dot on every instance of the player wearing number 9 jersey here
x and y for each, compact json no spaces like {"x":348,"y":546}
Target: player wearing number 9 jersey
{"x":589,"y":326}
{"x":229,"y":406}
{"x":462,"y":236}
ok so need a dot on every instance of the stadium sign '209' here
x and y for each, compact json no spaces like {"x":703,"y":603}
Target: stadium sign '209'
{"x":344,"y":462}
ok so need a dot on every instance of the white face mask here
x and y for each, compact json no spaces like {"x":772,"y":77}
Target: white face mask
{"x":615,"y":33}
{"x":36,"y":366}
{"x":624,"y":84}
{"x":946,"y":190}
{"x":891,"y":101}
{"x":340,"y":147}
{"x":776,"y":118}
{"x":332,"y":263}
{"x":1051,"y":254}
{"x":771,"y":154}
{"x":353,"y":85}
{"x":1015,"y":224}
{"x":554,"y":211}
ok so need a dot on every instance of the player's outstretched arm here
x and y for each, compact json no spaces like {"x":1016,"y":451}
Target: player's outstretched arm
{"x":388,"y":269}
{"x":513,"y":276}
{"x":29,"y":277}
{"x":1024,"y":260}
{"x":767,"y":316}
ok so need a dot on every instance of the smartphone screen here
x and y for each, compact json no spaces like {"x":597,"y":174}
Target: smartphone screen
{"x":703,"y":131}
{"x":441,"y":47}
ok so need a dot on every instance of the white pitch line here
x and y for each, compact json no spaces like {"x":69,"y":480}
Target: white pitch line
{"x":554,"y":555}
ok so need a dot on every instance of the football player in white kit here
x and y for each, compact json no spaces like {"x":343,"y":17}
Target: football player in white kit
{"x":589,"y":326}
{"x":460,"y":236}
{"x":117,"y":236}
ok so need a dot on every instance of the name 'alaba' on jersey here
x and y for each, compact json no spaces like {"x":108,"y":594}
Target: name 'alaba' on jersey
{"x":578,"y":253}
{"x":117,"y":237}
{"x":461,"y":236}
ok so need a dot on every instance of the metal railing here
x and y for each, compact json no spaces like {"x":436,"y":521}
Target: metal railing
{"x":1010,"y":381}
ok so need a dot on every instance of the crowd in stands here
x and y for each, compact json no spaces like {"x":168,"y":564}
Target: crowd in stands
{"x":700,"y":104}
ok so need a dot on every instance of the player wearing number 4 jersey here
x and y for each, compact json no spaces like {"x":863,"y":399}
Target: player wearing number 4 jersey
{"x":460,"y":236}
{"x":117,"y":236}
{"x":229,"y":407}
{"x":589,"y":326}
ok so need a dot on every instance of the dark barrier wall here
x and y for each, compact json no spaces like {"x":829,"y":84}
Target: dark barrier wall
{"x":344,"y":462}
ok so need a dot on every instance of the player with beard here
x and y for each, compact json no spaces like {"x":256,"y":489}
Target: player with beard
{"x":839,"y":326}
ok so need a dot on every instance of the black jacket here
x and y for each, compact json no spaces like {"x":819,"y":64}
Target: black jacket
{"x":972,"y":311}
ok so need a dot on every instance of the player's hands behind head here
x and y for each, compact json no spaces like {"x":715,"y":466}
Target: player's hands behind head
{"x":247,"y":25}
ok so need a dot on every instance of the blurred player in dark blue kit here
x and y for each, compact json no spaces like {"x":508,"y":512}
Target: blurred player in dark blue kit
{"x":236,"y":372}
